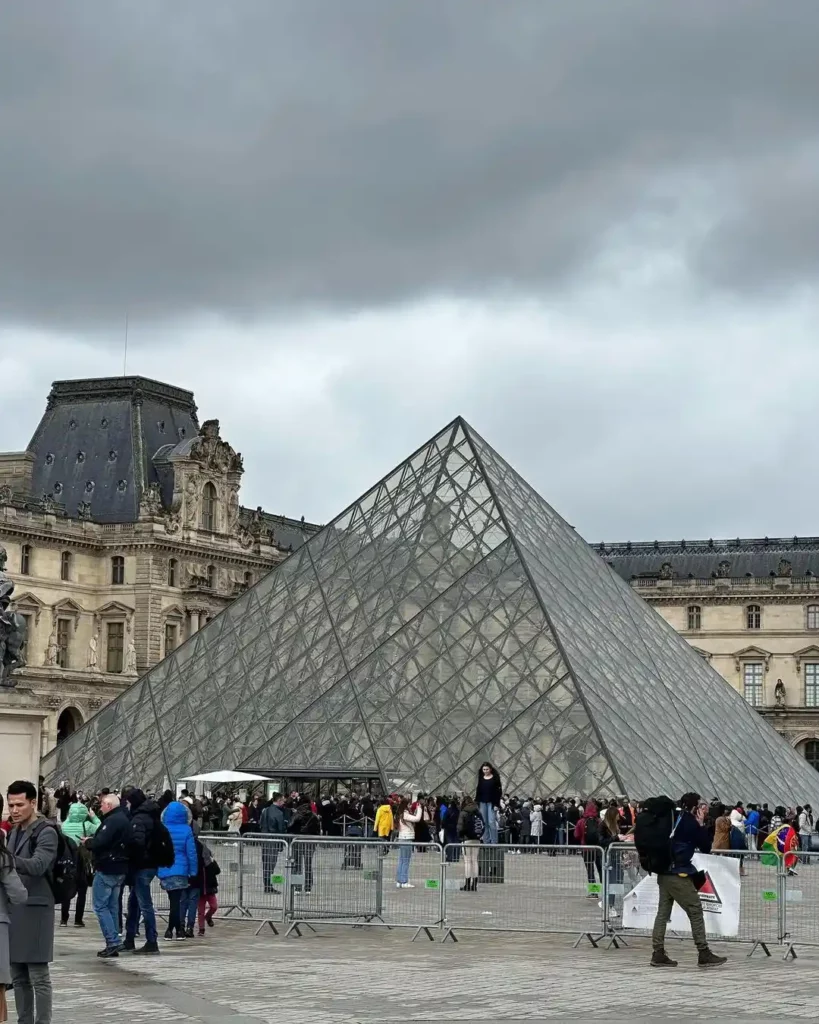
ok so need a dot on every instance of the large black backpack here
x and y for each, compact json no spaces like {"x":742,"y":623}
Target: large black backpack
{"x":65,"y":872}
{"x":161,"y":853}
{"x":653,"y":835}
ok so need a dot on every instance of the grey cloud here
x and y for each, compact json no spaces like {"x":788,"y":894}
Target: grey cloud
{"x":242,"y":158}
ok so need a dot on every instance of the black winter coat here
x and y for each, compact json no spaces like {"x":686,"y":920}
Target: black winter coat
{"x":109,"y":844}
{"x":143,"y":828}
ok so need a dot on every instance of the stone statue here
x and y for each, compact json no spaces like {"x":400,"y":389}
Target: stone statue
{"x":12,"y":629}
{"x":92,"y":654}
{"x":779,"y":694}
{"x":52,"y":649}
{"x":130,"y":659}
{"x":666,"y":571}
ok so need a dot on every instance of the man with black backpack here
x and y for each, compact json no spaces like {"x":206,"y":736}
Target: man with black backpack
{"x":667,"y":839}
{"x":149,"y":847}
{"x":34,"y":844}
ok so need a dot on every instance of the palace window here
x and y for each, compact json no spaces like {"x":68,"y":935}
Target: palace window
{"x":694,"y":616}
{"x":209,"y":507}
{"x":63,"y":634}
{"x":752,"y":678}
{"x":117,"y":570}
{"x":212,"y":577}
{"x":172,"y":572}
{"x":65,"y":565}
{"x":25,"y":560}
{"x":812,"y":684}
{"x":24,"y":647}
{"x":171,"y":637}
{"x":812,"y":753}
{"x":813,"y":616}
{"x":753,"y":616}
{"x":115,"y":646}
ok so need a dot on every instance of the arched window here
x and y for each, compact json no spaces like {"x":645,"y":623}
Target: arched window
{"x":25,"y":560}
{"x":813,"y":616}
{"x":812,"y":753}
{"x":694,"y":616}
{"x":171,"y":572}
{"x":69,"y":721}
{"x":209,"y":507}
{"x":117,"y":570}
{"x":753,"y":616}
{"x":212,"y":576}
{"x":65,"y":565}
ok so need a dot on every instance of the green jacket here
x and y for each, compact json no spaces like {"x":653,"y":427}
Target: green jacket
{"x":79,"y":822}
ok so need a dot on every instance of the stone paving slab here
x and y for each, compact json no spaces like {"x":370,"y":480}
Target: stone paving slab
{"x":346,"y":976}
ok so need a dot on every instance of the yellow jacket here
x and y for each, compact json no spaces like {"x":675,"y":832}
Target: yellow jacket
{"x":383,"y":821}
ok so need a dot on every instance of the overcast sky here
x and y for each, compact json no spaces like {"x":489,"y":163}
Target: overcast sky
{"x":592,"y":228}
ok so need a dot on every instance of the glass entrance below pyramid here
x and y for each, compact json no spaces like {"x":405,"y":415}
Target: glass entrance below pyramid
{"x":322,"y":782}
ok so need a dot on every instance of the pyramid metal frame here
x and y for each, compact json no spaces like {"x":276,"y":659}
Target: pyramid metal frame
{"x":448,"y":616}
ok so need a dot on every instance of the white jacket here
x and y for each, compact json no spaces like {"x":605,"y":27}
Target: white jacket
{"x":536,"y":819}
{"x":738,"y":820}
{"x":406,"y":824}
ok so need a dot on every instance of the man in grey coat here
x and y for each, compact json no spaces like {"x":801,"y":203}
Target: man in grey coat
{"x":33,"y":844}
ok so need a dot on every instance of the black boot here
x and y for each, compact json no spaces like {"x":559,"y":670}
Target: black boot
{"x":474,"y":885}
{"x":708,"y":959}
{"x":128,"y":946}
{"x":659,"y":958}
{"x":149,"y":947}
{"x":467,"y":886}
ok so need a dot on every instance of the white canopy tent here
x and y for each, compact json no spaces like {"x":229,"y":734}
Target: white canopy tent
{"x":225,"y":776}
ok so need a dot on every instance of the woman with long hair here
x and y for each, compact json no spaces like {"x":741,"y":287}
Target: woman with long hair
{"x":12,"y":892}
{"x":407,"y":820}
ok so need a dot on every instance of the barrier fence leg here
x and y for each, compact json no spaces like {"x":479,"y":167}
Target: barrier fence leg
{"x":782,"y":895}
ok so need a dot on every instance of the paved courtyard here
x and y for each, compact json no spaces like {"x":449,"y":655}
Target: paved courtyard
{"x":344,"y":975}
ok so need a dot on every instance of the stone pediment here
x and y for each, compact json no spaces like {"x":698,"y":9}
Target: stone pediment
{"x":752,"y":654}
{"x":29,"y":604}
{"x":806,"y":654}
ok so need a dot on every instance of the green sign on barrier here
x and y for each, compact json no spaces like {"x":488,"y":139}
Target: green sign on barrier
{"x":769,"y":895}
{"x":431,"y":883}
{"x":595,"y":888}
{"x":277,"y":879}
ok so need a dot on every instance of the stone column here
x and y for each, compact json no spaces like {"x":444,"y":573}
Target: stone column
{"x":193,"y":622}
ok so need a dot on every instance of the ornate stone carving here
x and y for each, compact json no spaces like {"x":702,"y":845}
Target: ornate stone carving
{"x":173,"y":521}
{"x":47,"y":504}
{"x":666,"y":571}
{"x":233,"y":509}
{"x":256,"y":524}
{"x":84,"y":510}
{"x":779,"y":694}
{"x":131,"y":659}
{"x":785,"y":568}
{"x":214,"y":454}
{"x":12,"y":628}
{"x":723,"y":570}
{"x":53,"y":702}
{"x":52,"y":650}
{"x":191,"y":499}
{"x":150,"y":503}
{"x":95,"y":703}
{"x":5,"y":494}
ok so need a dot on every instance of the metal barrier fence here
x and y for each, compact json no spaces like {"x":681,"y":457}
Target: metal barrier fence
{"x":761,"y":906}
{"x":582,"y":891}
{"x":525,"y":889}
{"x":361,"y":882}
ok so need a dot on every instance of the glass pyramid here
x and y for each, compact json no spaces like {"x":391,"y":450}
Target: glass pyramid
{"x":447,"y":617}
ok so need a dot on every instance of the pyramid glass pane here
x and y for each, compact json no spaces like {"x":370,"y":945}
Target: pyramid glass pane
{"x":447,"y":617}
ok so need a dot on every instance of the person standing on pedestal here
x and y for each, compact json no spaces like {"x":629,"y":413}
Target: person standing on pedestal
{"x":488,"y":797}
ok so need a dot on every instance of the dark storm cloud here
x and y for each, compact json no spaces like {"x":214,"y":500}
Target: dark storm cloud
{"x":170,"y":158}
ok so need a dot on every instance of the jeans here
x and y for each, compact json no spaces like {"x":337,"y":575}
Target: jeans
{"x":32,"y":993}
{"x":490,"y":819}
{"x":404,"y":858}
{"x":141,"y":902}
{"x":105,"y":893}
{"x":678,"y":889}
{"x":189,"y":906}
{"x":212,"y":904}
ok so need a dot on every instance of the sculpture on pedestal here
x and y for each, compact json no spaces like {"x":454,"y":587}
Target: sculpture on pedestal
{"x":779,"y":693}
{"x":12,"y":629}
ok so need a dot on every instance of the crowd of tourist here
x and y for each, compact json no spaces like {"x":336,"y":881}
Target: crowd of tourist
{"x":61,"y":844}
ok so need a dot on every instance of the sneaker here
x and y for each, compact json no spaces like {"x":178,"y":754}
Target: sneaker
{"x":129,"y":946}
{"x":63,"y":924}
{"x":147,"y":949}
{"x":201,"y":931}
{"x":708,"y":959}
{"x":189,"y":933}
{"x":591,"y":896}
{"x":79,"y":924}
{"x":209,"y":919}
{"x":109,"y":953}
{"x":407,"y":885}
{"x":169,"y":933}
{"x":659,"y":958}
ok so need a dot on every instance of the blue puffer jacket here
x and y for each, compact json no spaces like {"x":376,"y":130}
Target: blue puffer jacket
{"x":185,"y":862}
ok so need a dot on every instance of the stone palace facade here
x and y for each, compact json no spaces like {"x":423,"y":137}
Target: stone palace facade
{"x":125,"y":533}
